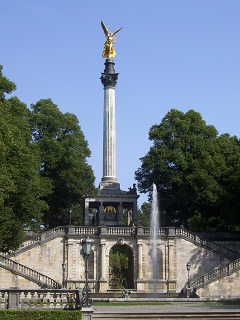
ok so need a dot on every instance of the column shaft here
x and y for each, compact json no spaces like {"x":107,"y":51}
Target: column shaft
{"x":102,"y":271}
{"x":139,"y":244}
{"x":109,"y":135}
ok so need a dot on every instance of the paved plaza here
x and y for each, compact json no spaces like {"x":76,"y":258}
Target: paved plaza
{"x":178,"y":308}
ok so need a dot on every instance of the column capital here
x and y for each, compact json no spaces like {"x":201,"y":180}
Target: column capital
{"x":109,"y":80}
{"x":109,"y":77}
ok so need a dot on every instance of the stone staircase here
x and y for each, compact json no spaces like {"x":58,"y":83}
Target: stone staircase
{"x":178,"y":232}
{"x":166,"y":316}
{"x":17,"y":268}
{"x":166,"y":310}
{"x":216,"y":274}
{"x":28,"y":273}
{"x":45,"y":281}
{"x":207,"y":244}
{"x":37,"y":240}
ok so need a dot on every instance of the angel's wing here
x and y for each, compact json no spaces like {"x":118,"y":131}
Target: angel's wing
{"x":117,"y":31}
{"x":105,"y":29}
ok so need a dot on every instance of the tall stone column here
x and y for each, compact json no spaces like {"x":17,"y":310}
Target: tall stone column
{"x":109,"y":80}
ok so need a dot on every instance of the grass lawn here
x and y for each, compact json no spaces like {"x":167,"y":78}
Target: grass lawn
{"x":129,"y":303}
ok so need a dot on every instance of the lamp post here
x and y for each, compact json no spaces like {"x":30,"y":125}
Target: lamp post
{"x":63,"y":270}
{"x":86,"y":299}
{"x":188,"y":265}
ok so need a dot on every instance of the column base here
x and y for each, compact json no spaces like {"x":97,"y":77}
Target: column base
{"x":171,"y":285}
{"x":103,"y":285}
{"x":109,"y":183}
{"x":140,"y":284}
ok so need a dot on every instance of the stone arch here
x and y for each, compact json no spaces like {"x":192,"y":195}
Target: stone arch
{"x":159,"y":263}
{"x":121,"y":270}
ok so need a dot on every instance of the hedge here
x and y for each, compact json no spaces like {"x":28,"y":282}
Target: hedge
{"x":40,"y":315}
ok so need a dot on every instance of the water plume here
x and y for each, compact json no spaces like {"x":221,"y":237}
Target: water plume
{"x":154,"y":236}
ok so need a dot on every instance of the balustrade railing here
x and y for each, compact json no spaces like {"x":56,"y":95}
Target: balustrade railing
{"x":85,"y":230}
{"x":120,"y":230}
{"x":39,"y":299}
{"x":160,"y":231}
{"x":205,"y":243}
{"x":216,"y":274}
{"x":53,"y":233}
{"x":28,"y":273}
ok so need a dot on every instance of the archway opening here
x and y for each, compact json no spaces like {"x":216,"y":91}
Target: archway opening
{"x":121,"y":267}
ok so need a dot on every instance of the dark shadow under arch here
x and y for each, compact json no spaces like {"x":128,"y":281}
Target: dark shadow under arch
{"x":121,"y":267}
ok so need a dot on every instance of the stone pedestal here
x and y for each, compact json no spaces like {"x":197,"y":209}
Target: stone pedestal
{"x":87,"y":313}
{"x":13,"y":298}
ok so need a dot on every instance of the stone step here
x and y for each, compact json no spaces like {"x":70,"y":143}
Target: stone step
{"x":167,"y":316}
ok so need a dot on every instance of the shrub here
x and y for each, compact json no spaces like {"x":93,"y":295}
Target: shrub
{"x":40,"y":315}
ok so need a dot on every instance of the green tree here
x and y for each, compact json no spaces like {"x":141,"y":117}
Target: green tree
{"x":121,"y":262}
{"x":228,"y":217}
{"x":188,"y":164}
{"x":144,"y":215}
{"x":63,"y":150}
{"x":21,"y":186}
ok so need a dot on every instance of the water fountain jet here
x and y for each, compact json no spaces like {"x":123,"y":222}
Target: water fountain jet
{"x":154,"y":236}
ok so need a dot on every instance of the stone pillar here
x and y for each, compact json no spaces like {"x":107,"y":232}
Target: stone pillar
{"x":13,"y":298}
{"x":109,"y":80}
{"x":102,"y":244}
{"x":69,"y":259}
{"x":86,"y":213}
{"x":139,"y":244}
{"x":120,"y":214}
{"x":101,"y":214}
{"x":171,"y":281}
{"x":109,"y":136}
{"x":135,"y":216}
{"x":103,"y":280}
{"x":140,"y":281}
{"x":87,"y":313}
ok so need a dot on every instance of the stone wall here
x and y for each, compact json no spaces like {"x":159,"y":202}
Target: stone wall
{"x":228,"y":287}
{"x":49,"y":257}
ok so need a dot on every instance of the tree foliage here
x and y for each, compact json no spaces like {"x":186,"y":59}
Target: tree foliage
{"x":21,"y":186}
{"x":121,"y":261}
{"x":63,"y":151}
{"x":44,"y":171}
{"x":195,"y":170}
{"x":144,"y":215}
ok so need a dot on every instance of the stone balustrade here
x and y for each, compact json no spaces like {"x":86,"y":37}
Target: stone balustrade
{"x":111,"y":233}
{"x":37,"y":299}
{"x":216,"y":274}
{"x":29,"y":273}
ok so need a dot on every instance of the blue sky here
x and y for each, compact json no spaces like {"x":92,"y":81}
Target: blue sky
{"x":182,"y":54}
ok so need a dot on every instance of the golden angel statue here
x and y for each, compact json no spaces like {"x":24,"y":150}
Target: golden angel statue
{"x":108,"y":50}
